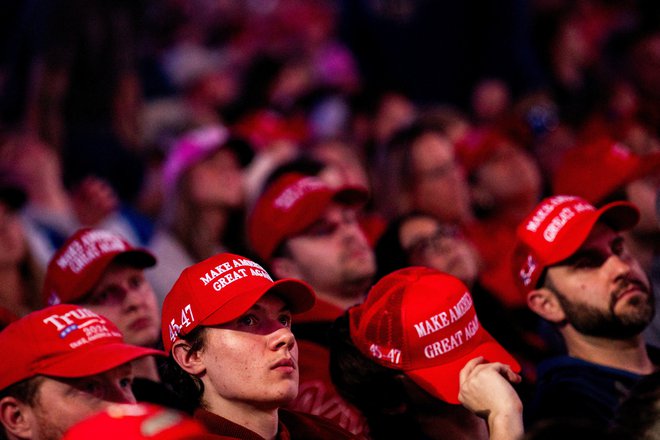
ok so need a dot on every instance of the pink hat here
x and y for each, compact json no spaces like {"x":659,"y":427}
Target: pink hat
{"x":81,"y":261}
{"x":220,"y":289}
{"x":63,"y":341}
{"x":138,"y":421}
{"x":556,"y":228}
{"x":290,"y":205}
{"x":594,"y":171}
{"x":190,"y":149}
{"x":422,"y":322}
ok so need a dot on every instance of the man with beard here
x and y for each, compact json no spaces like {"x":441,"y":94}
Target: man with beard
{"x":572,"y":262}
{"x":62,"y":364}
{"x":303,"y":228}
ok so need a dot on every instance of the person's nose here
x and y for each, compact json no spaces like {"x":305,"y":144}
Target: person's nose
{"x":620,"y":265}
{"x":282,"y":338}
{"x":134,"y":297}
{"x":119,"y":393}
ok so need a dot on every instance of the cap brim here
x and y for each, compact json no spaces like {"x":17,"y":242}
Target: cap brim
{"x":620,"y":216}
{"x":442,"y":381}
{"x":351,"y":195}
{"x":96,"y":360}
{"x":140,"y":258}
{"x":314,"y":205}
{"x":298,"y":295}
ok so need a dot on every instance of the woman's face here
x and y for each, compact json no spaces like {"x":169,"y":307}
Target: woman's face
{"x":429,"y":243}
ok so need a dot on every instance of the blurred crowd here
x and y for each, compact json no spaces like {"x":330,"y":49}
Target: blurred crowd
{"x":194,"y":128}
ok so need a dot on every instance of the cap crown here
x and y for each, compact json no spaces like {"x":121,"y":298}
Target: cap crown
{"x":292,"y":203}
{"x":416,"y":318}
{"x":38,"y":342}
{"x":81,"y":261}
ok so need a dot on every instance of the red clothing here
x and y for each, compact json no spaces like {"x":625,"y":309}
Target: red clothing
{"x":494,"y":242}
{"x":292,"y":426}
{"x":316,"y":393}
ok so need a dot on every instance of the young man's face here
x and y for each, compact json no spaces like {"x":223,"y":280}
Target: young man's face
{"x":252,"y":360}
{"x":60,"y":403}
{"x":602,"y":288}
{"x":126,"y":298}
{"x":333,"y":252}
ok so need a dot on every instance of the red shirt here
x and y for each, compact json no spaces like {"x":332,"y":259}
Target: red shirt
{"x":291,"y":425}
{"x":316,"y":393}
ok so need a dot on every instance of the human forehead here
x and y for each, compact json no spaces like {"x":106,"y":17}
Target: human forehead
{"x":223,"y":158}
{"x":64,"y":383}
{"x":116,"y":272}
{"x":416,"y":227}
{"x":431,"y":147}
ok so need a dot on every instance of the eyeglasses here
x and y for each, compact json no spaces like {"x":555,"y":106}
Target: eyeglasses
{"x":439,"y":242}
{"x":326,"y":227}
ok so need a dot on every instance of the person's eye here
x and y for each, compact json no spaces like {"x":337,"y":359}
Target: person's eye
{"x":286,"y":320}
{"x":126,"y":382}
{"x":100,"y":298}
{"x":93,"y":388}
{"x":590,"y":260}
{"x":136,"y":282}
{"x":322,"y":229}
{"x":618,"y":247}
{"x":248,"y":320}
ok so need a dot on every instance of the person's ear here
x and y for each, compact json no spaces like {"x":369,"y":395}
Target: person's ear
{"x":284,"y":267}
{"x":16,"y":418}
{"x":544,"y":303}
{"x":190,"y":361}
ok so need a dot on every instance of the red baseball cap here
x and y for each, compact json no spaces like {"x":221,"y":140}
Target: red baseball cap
{"x":595,"y":170}
{"x":79,"y":264}
{"x":556,"y":228}
{"x":478,"y":145}
{"x":136,"y":422}
{"x":290,"y":205}
{"x":220,"y":289}
{"x":64,"y":340}
{"x":422,"y":322}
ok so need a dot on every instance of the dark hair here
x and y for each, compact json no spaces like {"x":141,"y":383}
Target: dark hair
{"x":25,"y":391}
{"x":394,"y":171}
{"x":568,"y":429}
{"x":187,"y":386}
{"x":390,"y":254}
{"x":375,"y":390}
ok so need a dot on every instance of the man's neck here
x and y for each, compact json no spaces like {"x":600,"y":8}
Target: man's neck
{"x":628,"y":354}
{"x":343,"y":302}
